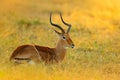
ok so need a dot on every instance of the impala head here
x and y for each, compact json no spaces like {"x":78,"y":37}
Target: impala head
{"x":64,"y":36}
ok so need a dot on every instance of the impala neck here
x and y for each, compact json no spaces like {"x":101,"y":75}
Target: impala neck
{"x":60,"y":50}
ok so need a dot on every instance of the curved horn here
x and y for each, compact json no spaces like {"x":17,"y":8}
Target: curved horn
{"x":56,"y":24}
{"x":69,"y":25}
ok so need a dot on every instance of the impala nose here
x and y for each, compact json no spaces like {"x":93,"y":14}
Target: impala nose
{"x":72,"y":46}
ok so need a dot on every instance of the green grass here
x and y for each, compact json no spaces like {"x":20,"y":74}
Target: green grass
{"x":96,"y":55}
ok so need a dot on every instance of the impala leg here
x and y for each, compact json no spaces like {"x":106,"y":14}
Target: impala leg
{"x":34,"y":59}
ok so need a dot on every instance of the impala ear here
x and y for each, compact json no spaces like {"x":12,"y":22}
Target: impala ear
{"x":57,"y":32}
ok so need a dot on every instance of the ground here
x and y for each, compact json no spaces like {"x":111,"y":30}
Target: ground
{"x":95,"y":32}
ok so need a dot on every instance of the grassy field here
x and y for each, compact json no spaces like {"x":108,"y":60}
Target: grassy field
{"x":95,"y":32}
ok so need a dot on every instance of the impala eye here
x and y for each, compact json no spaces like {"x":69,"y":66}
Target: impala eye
{"x":64,"y":37}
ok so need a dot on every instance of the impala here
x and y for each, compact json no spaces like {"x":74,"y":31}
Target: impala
{"x":36,"y":53}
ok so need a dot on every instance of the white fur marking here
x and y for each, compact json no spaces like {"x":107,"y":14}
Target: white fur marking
{"x":32,"y":62}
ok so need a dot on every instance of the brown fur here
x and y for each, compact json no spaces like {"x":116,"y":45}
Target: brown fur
{"x":41,"y":53}
{"x":46,"y":54}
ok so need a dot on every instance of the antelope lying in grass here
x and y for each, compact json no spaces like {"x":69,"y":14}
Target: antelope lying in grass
{"x":37,"y":53}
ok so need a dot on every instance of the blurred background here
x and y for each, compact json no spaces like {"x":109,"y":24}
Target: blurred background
{"x":95,"y":32}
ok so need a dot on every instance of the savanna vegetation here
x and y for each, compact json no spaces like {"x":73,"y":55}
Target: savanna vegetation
{"x":95,"y":32}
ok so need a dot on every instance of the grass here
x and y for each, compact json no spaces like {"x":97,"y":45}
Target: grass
{"x":95,"y":32}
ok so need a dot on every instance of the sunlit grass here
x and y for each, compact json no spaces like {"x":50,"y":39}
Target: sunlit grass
{"x":95,"y":32}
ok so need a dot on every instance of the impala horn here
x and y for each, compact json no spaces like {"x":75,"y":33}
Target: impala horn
{"x":53,"y":24}
{"x":69,"y":25}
